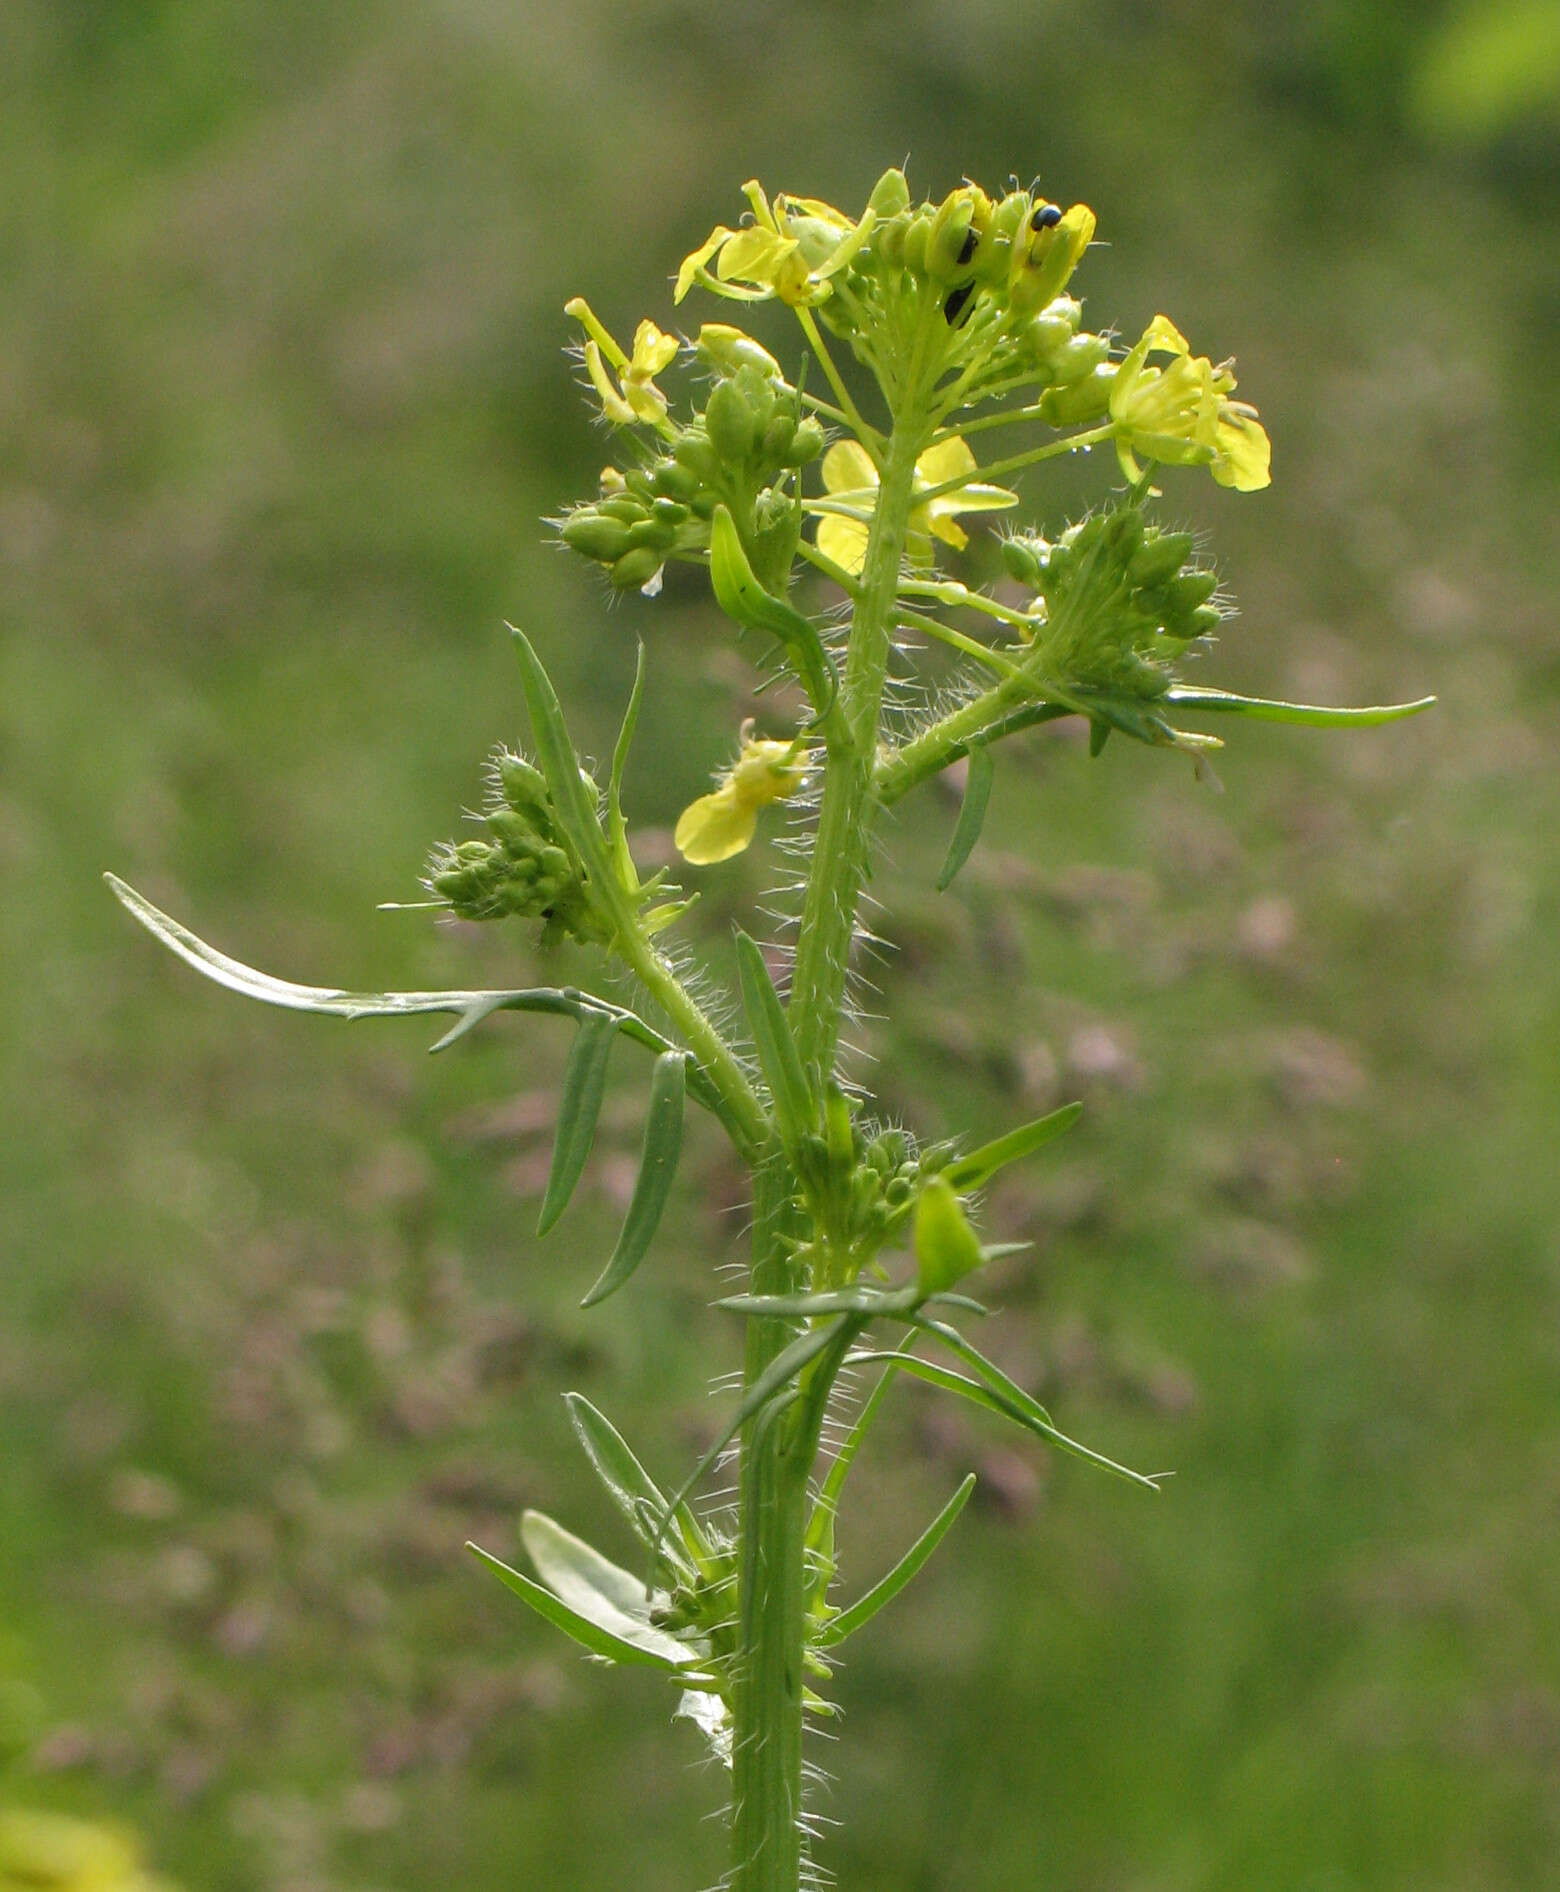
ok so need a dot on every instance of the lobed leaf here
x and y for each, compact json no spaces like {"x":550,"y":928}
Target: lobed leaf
{"x":336,"y":1002}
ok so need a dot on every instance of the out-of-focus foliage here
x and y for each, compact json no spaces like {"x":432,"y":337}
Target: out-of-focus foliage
{"x":281,"y":406}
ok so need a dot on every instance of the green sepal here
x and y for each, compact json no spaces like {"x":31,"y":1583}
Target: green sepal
{"x":888,"y":1587}
{"x":333,"y":1002}
{"x":579,"y":1107}
{"x":972,"y":813}
{"x":657,"y":1167}
{"x":977,"y":1169}
{"x":796,"y":1108}
{"x":743,"y":598}
{"x":607,"y":1644}
{"x":1262,"y":709}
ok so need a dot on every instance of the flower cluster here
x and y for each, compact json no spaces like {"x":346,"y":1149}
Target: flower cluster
{"x":1117,"y":601}
{"x":526,"y":868}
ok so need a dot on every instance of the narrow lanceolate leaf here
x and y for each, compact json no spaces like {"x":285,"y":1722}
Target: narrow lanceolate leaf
{"x":657,"y":1167}
{"x":616,"y":826}
{"x":887,"y":1588}
{"x":612,"y":1598}
{"x":773,"y":1388}
{"x":972,"y":813}
{"x":796,"y":1110}
{"x":820,"y":1525}
{"x":605,"y":1643}
{"x":1186,"y":696}
{"x":336,"y":1002}
{"x":579,"y":1107}
{"x":555,"y":753}
{"x":977,"y":1169}
{"x":631,"y":1487}
{"x":742,"y":597}
{"x":1011,"y":1399}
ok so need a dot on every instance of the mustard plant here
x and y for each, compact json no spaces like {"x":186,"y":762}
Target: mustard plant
{"x":927,"y":330}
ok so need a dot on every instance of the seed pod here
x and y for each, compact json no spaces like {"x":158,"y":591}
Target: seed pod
{"x":594,"y":535}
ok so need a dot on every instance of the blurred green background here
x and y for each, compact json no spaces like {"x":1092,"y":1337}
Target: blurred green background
{"x":281,"y":406}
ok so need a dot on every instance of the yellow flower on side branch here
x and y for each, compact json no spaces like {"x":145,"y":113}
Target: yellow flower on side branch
{"x":1181,"y":415}
{"x":790,"y":250}
{"x":719,"y":825}
{"x":851,"y":479}
{"x":634,"y":400}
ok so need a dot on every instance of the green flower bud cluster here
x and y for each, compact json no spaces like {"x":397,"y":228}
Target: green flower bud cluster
{"x":864,"y":1185}
{"x":751,"y":435}
{"x":1117,"y":602}
{"x":525,"y":867}
{"x":997,"y":269}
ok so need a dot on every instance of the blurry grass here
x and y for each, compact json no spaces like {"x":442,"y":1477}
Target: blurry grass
{"x":279,"y":407}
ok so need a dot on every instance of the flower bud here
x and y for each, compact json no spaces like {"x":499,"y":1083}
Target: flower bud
{"x":696,"y":452}
{"x":636,"y":568}
{"x":1022,"y":560}
{"x":946,"y":1247}
{"x":672,"y":480}
{"x":731,"y":423}
{"x":727,"y":349}
{"x":1082,"y":401}
{"x":960,"y":222}
{"x":915,"y":242}
{"x":778,"y":438}
{"x":1162,"y":555}
{"x":888,"y":241}
{"x":890,"y":196}
{"x":806,"y":443}
{"x":1078,"y":358}
{"x":593,"y":535}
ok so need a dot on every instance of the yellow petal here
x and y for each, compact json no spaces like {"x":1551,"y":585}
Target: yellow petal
{"x":715,"y":827}
{"x":754,"y":255}
{"x":653,"y":350}
{"x":694,"y":262}
{"x":1163,"y":334}
{"x":951,"y":460}
{"x":945,"y":528}
{"x":612,"y":403}
{"x":1243,"y":458}
{"x":843,"y":540}
{"x":848,"y":468}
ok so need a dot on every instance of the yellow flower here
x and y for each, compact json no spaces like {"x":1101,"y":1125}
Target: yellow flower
{"x":1181,"y":413}
{"x":790,"y":250}
{"x":635,"y":399}
{"x":717,"y":826}
{"x":851,"y":478}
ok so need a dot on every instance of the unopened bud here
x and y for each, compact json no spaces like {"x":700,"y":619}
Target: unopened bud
{"x":890,"y":195}
{"x":593,"y":535}
{"x":946,"y":1247}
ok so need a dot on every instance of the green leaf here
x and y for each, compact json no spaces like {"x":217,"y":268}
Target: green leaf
{"x":579,"y":1107}
{"x":605,"y":1643}
{"x":820,"y":1525}
{"x":657,"y":1167}
{"x":631,"y":1487}
{"x":888,"y":1587}
{"x":772,"y":1385}
{"x":333,"y":1002}
{"x":742,"y":597}
{"x":559,"y":764}
{"x":1011,"y":1399}
{"x":1186,"y":696}
{"x":977,"y":1169}
{"x":796,"y":1108}
{"x":612,"y":1598}
{"x":972,"y":813}
{"x":617,"y":828}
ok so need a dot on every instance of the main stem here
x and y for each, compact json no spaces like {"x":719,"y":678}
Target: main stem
{"x":768,"y":1847}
